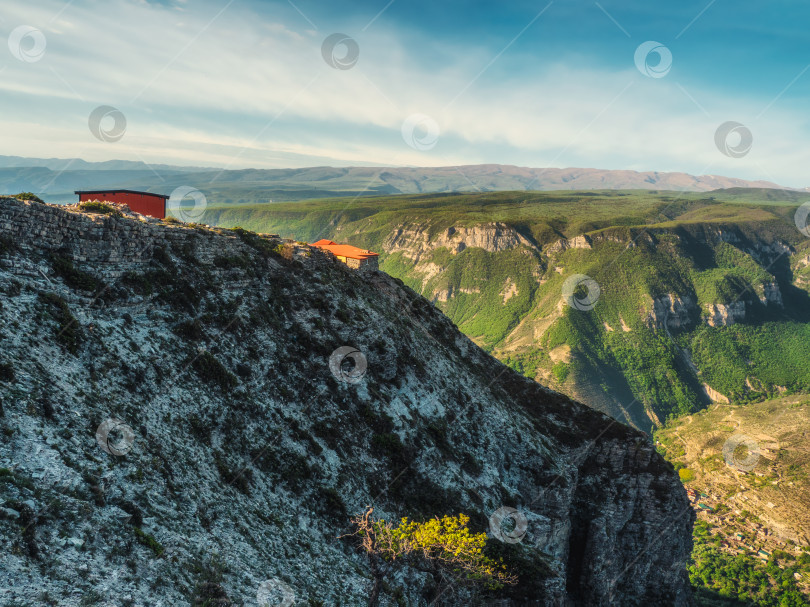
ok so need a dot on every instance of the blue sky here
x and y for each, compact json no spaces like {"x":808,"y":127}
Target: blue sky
{"x":243,"y":83}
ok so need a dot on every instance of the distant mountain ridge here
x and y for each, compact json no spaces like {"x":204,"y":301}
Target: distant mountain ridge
{"x":56,"y":179}
{"x":77,"y":164}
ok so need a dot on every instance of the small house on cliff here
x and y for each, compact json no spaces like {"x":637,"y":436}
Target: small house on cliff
{"x":145,"y":203}
{"x":353,"y":257}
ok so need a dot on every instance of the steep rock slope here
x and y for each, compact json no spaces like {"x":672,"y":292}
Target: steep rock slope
{"x":238,"y":455}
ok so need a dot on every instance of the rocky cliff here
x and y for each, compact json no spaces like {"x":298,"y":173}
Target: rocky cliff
{"x":416,"y":240}
{"x":173,"y":432}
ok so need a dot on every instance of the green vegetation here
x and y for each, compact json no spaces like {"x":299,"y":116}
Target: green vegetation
{"x":28,"y":196}
{"x":438,"y":545}
{"x":99,"y":207}
{"x":721,"y":579}
{"x":776,"y":354}
{"x":147,"y":540}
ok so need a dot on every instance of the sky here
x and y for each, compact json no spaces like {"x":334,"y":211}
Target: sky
{"x":707,"y":87}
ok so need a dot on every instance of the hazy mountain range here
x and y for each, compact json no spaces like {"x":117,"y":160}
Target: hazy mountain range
{"x":56,"y":179}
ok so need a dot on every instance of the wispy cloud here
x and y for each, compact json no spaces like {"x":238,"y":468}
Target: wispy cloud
{"x":200,"y":85}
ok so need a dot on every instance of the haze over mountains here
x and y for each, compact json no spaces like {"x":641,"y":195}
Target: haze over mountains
{"x":56,"y":179}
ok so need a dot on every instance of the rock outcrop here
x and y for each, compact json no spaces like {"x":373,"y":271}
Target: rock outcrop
{"x":173,"y":432}
{"x":671,"y":311}
{"x":416,"y":240}
{"x":771,"y":294}
{"x":582,"y":241}
{"x":724,"y":315}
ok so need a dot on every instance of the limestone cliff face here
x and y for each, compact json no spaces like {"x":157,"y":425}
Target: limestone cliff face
{"x":578,"y":242}
{"x":212,"y":354}
{"x":416,"y":240}
{"x":724,"y":315}
{"x":671,"y":311}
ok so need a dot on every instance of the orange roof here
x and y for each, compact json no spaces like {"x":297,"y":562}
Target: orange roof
{"x":344,"y":250}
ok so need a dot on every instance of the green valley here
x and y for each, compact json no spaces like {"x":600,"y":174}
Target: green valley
{"x":701,"y":297}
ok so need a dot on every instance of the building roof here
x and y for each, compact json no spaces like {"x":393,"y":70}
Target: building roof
{"x":344,"y":250}
{"x":115,"y":191}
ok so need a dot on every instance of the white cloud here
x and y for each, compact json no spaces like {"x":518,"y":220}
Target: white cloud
{"x":238,"y":88}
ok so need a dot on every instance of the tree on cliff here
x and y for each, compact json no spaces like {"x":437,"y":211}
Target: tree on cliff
{"x":437,"y":546}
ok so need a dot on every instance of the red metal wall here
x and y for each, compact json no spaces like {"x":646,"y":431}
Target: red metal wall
{"x":144,"y":204}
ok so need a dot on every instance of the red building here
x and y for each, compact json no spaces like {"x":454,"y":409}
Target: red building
{"x":351,"y":256}
{"x":145,"y":203}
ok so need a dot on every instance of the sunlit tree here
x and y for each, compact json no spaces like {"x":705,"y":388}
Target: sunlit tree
{"x":439,"y":546}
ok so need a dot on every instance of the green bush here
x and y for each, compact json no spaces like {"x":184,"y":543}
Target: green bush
{"x":28,"y":196}
{"x":560,"y":371}
{"x":150,"y":542}
{"x":95,"y":206}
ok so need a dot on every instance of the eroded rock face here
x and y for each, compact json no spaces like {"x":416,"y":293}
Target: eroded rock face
{"x":671,"y":311}
{"x":771,"y":294}
{"x":215,"y":352}
{"x":724,"y":315}
{"x":414,"y":241}
{"x":582,"y":241}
